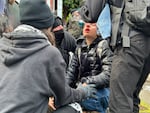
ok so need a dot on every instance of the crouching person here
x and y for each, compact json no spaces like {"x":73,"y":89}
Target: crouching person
{"x":91,"y":64}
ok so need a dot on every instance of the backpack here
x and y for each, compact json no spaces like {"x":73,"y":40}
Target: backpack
{"x":137,"y":14}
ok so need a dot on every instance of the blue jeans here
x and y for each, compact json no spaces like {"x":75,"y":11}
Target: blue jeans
{"x":99,"y":104}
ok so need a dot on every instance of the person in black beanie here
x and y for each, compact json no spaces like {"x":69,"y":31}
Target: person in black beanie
{"x":65,"y":42}
{"x":31,"y":69}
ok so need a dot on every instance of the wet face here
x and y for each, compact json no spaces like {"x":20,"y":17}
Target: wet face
{"x":90,"y":30}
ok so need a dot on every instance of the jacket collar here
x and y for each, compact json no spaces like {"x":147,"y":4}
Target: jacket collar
{"x":95,"y":42}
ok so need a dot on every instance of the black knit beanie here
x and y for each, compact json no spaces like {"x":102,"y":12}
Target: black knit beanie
{"x":36,"y":13}
{"x":57,"y":22}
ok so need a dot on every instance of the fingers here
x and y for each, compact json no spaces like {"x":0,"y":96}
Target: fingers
{"x":51,"y":103}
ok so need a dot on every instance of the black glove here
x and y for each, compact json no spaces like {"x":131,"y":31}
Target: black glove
{"x":89,"y":90}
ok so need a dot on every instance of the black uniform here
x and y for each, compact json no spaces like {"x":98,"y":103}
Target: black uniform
{"x":130,"y":68}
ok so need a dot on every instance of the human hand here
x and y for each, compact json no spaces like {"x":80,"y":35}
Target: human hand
{"x":51,"y":103}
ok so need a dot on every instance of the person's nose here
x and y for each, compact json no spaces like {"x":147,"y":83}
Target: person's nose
{"x":87,"y":25}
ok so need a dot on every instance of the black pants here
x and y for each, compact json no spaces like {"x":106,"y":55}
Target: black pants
{"x":130,"y":69}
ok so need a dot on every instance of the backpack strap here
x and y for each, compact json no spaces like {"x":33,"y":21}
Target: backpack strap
{"x":79,"y":54}
{"x":125,"y":35}
{"x":115,"y":27}
{"x":116,"y":16}
{"x":79,"y":57}
{"x":79,"y":41}
{"x":99,"y":48}
{"x":125,"y":31}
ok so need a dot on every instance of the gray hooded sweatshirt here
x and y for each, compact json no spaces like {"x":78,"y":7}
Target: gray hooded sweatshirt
{"x":31,"y":70}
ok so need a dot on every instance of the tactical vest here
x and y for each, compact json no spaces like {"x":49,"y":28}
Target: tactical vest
{"x":129,"y":14}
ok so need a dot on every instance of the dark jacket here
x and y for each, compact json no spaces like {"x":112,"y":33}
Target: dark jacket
{"x":91,"y":64}
{"x":66,"y":43}
{"x":31,"y":71}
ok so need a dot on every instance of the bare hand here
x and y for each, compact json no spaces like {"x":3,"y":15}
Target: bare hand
{"x":51,"y":103}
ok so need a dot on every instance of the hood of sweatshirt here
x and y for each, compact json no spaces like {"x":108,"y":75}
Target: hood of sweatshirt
{"x":21,"y":43}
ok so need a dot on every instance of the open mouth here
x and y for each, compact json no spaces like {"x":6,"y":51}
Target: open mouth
{"x":87,"y":30}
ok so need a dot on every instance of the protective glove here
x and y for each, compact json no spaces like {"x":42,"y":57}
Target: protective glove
{"x":89,"y":90}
